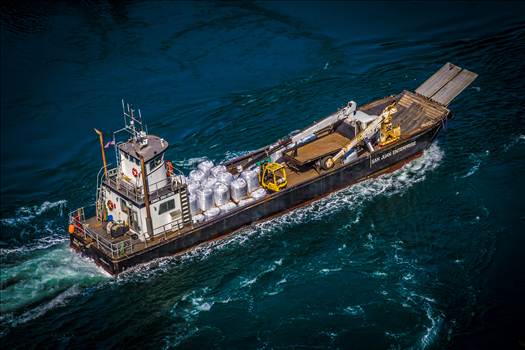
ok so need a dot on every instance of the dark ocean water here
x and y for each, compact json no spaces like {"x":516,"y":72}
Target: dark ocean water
{"x":428,"y":257}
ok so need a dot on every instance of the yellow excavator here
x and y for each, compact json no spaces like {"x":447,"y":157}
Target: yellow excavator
{"x":272,"y":176}
{"x":388,"y":135}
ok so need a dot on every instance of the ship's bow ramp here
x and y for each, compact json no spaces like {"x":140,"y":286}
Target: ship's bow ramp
{"x":448,"y":82}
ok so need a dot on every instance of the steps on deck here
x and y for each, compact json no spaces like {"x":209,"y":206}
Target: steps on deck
{"x":185,"y":205}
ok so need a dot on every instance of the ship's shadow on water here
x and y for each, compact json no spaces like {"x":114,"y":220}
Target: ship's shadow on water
{"x":426,"y":257}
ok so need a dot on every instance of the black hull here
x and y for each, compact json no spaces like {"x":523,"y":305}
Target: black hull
{"x":387,"y":159}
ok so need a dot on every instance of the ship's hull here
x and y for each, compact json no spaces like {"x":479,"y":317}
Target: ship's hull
{"x":381,"y":161}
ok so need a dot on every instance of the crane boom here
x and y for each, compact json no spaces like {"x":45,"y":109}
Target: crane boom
{"x":369,"y":131}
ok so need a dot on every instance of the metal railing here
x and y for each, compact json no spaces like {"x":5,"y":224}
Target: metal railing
{"x":119,"y":249}
{"x":124,"y":247}
{"x":169,"y":228}
{"x":156,"y":190}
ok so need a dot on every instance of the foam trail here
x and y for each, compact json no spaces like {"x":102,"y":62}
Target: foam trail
{"x":39,"y":275}
{"x":232,"y":155}
{"x":33,"y":228}
{"x":40,"y":244}
{"x":354,"y":310}
{"x":40,"y":310}
{"x":516,"y":140}
{"x":477,"y":160}
{"x":44,"y":276}
{"x":431,"y":332}
{"x":192,"y":162}
{"x":24,"y":215}
{"x":193,"y":303}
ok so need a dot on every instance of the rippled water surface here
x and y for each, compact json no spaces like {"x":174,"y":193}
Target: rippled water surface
{"x":430,"y":256}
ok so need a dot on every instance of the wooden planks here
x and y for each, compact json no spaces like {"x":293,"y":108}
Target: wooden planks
{"x":448,"y":82}
{"x":416,"y":111}
{"x":433,"y":110}
{"x":438,"y":80}
{"x":297,"y":177}
{"x":454,"y":87}
{"x":411,"y":118}
{"x":319,"y":148}
{"x":376,"y":107}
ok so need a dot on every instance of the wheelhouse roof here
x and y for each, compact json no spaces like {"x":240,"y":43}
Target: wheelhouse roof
{"x":135,"y":148}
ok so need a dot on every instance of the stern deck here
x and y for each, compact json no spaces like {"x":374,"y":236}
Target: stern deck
{"x":93,"y":232}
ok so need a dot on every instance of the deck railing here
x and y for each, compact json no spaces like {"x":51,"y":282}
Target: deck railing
{"x":121,"y":248}
{"x":169,"y":228}
{"x":126,"y":246}
{"x":156,"y":190}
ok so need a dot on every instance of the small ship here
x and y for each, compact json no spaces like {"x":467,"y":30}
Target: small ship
{"x":146,"y":209}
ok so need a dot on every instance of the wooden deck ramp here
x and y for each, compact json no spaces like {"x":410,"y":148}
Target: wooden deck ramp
{"x":448,"y":82}
{"x":417,"y":111}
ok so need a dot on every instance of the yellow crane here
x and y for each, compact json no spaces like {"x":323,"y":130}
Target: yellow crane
{"x":389,"y":134}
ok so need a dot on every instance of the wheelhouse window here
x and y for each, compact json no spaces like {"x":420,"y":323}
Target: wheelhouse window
{"x":155,"y":162}
{"x":131,"y":158}
{"x":166,"y":206}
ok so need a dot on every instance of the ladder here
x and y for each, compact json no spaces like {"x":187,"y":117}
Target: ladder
{"x":185,"y":205}
{"x":99,"y":204}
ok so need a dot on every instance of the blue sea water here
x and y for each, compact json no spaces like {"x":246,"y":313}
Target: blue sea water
{"x":428,"y":257}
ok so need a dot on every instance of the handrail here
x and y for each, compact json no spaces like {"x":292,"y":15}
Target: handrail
{"x":168,"y":226}
{"x":137,"y":193}
{"x":124,"y":247}
{"x":77,"y":218}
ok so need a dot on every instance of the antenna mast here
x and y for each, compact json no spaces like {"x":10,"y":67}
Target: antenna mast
{"x":132,"y":121}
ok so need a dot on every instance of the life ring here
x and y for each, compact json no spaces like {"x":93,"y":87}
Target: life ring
{"x":135,"y":172}
{"x":169,"y":167}
{"x":111,"y":205}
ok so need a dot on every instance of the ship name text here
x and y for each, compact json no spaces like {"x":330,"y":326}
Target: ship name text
{"x":392,"y":152}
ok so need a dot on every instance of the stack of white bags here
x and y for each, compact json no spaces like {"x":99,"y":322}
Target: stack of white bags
{"x":213,"y":190}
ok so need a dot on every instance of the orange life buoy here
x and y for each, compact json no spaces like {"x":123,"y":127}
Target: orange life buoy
{"x":135,"y":172}
{"x":169,"y":166}
{"x":111,"y":205}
